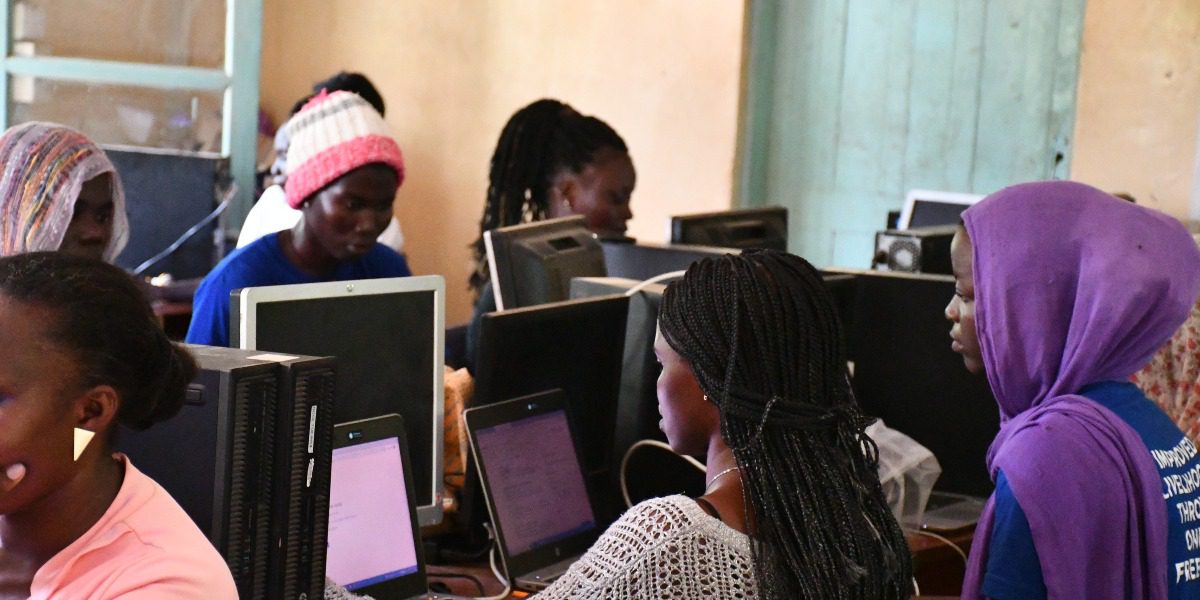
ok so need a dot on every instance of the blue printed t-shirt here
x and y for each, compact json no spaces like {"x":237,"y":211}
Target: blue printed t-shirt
{"x":263,"y":263}
{"x":1013,"y":570}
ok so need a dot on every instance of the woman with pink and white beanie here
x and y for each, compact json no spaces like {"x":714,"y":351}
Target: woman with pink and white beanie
{"x":343,"y":168}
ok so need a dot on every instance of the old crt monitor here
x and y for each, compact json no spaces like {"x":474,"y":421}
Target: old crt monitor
{"x":388,"y":337}
{"x":255,"y":476}
{"x":533,"y":263}
{"x":742,"y":228}
{"x":926,"y":208}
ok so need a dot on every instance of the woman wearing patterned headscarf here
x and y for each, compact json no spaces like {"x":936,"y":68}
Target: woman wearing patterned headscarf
{"x":59,"y":191}
{"x":1062,"y":292}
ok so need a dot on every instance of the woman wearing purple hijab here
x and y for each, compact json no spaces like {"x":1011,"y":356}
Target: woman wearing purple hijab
{"x":1062,"y":292}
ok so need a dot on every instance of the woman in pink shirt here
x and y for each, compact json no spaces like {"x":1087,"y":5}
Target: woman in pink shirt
{"x":80,"y":352}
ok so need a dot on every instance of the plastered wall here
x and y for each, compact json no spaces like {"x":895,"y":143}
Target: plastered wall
{"x":663,"y":73}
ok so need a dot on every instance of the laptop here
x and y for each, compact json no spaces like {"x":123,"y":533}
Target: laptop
{"x":538,"y":499}
{"x":374,"y":540}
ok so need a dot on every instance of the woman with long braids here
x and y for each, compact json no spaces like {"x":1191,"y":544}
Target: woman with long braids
{"x":550,"y":162}
{"x":754,"y":378}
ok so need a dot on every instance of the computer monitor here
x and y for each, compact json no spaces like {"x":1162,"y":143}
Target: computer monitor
{"x":533,"y":263}
{"x":906,"y":374}
{"x":643,"y":260}
{"x":637,"y":405}
{"x":577,"y":346}
{"x":637,"y":408}
{"x":388,"y":338}
{"x":255,"y":474}
{"x":926,"y":208}
{"x":742,"y":228}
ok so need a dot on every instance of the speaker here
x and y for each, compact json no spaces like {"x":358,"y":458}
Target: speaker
{"x":921,"y":250}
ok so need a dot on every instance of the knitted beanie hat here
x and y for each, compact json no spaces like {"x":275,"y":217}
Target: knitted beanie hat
{"x":44,"y":167}
{"x":332,"y":135}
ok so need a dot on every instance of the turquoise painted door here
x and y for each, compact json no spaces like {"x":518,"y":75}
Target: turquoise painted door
{"x":851,"y":103}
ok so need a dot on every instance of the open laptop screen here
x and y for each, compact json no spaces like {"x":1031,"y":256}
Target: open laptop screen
{"x":370,"y":523}
{"x":535,"y":481}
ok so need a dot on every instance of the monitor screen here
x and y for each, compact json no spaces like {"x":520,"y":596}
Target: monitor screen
{"x":387,"y":336}
{"x":534,"y":263}
{"x":535,"y":482}
{"x":927,"y":208}
{"x":742,"y":228}
{"x":370,"y":524}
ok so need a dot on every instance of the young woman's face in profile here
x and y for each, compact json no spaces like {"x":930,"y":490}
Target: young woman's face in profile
{"x":351,"y":212}
{"x":37,"y":382}
{"x":601,"y":192}
{"x":688,"y":420}
{"x":91,"y":225}
{"x":961,"y":310}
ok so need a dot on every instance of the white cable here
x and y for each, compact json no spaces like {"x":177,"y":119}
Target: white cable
{"x":916,"y":586}
{"x":150,"y":262}
{"x":944,"y":540}
{"x":496,"y":570}
{"x":654,"y":444}
{"x":653,"y":280}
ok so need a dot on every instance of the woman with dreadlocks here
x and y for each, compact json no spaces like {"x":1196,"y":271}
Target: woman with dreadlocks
{"x":551,"y":161}
{"x":1061,"y":293}
{"x":754,"y":377}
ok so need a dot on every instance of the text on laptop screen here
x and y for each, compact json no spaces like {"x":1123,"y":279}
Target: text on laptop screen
{"x":370,"y":525}
{"x":535,"y":481}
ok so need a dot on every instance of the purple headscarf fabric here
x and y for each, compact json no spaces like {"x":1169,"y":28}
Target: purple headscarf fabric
{"x":1072,"y":287}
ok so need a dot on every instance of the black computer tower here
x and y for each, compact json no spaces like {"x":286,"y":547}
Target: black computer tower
{"x":248,"y":458}
{"x":300,"y":522}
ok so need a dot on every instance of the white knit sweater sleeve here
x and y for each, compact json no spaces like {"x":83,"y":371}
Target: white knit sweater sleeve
{"x":664,"y":548}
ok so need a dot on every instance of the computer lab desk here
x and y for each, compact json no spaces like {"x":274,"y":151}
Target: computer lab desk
{"x":939,"y":569}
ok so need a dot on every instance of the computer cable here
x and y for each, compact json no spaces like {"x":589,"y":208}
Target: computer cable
{"x":496,"y":570}
{"x":468,"y":576}
{"x":187,"y":235}
{"x":944,"y":540}
{"x":653,"y":280}
{"x":653,"y":444}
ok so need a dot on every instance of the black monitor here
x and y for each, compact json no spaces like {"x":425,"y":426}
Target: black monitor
{"x":906,"y":374}
{"x":931,"y":208}
{"x":742,"y":228}
{"x":576,"y":346}
{"x":388,"y":337}
{"x":533,"y":263}
{"x":643,"y":260}
{"x":637,"y":407}
{"x":255,"y":474}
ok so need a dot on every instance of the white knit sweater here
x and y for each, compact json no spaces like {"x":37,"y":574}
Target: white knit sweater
{"x":664,"y":548}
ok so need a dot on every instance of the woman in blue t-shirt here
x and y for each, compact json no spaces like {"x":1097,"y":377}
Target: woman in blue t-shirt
{"x":1062,"y":292}
{"x":343,"y":172}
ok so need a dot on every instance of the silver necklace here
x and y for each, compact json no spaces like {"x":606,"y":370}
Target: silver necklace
{"x":713,"y":481}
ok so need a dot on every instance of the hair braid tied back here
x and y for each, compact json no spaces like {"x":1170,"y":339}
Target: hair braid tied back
{"x":763,"y":338}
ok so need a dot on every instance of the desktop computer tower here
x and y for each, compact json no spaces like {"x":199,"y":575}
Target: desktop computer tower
{"x":304,"y":451}
{"x":235,"y":460}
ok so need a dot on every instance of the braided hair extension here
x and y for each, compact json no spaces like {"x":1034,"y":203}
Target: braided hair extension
{"x":538,"y":143}
{"x":763,"y":338}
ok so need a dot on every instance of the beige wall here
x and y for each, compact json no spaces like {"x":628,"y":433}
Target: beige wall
{"x":663,"y":73}
{"x":1138,"y":110}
